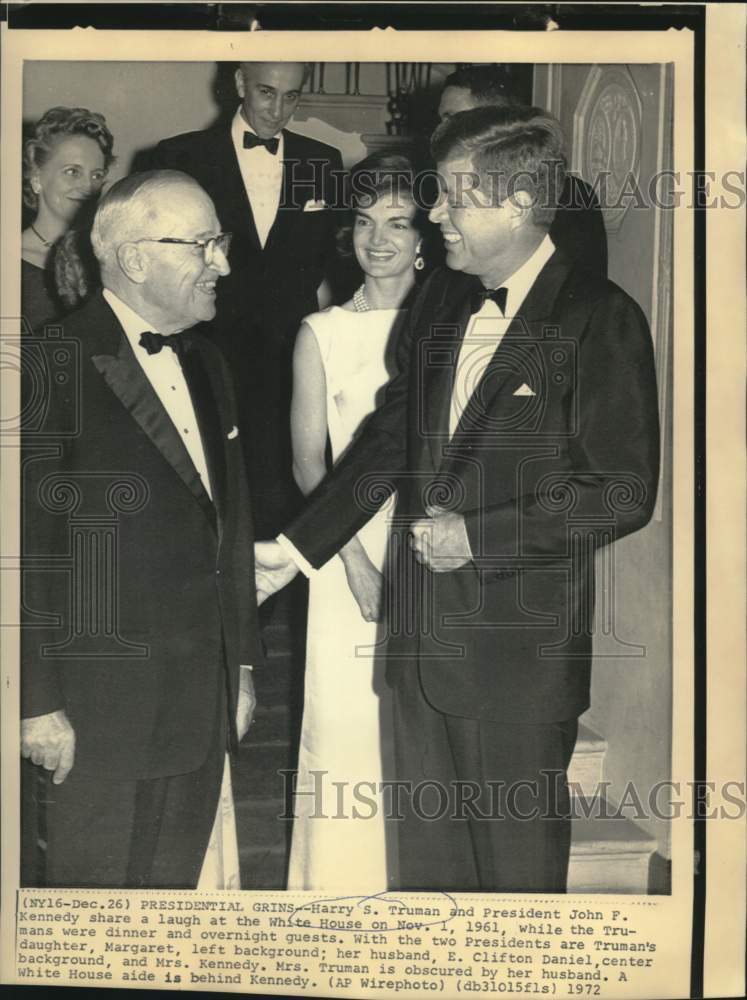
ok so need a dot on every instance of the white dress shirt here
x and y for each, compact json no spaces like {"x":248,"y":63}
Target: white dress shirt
{"x":262,"y":174}
{"x":486,"y":330}
{"x":164,"y":372}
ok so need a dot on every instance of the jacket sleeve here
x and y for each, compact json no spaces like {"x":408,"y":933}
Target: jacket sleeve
{"x":45,"y":540}
{"x":368,"y":474}
{"x":608,"y":474}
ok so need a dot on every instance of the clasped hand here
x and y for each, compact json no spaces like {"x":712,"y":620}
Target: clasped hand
{"x":49,"y":740}
{"x":273,"y":569}
{"x":440,"y":541}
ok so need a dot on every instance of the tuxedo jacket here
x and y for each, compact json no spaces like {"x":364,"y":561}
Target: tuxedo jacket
{"x":556,"y":454}
{"x":260,"y":305}
{"x":139,"y":598}
{"x":578,"y":227}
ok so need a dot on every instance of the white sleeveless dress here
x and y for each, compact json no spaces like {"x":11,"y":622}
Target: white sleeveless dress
{"x":338,"y":841}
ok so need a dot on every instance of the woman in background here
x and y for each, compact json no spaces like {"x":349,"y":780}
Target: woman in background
{"x":65,"y":163}
{"x":342,"y":361}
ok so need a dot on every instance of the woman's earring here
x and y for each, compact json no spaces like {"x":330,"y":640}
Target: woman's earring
{"x":35,"y":185}
{"x":419,"y":263}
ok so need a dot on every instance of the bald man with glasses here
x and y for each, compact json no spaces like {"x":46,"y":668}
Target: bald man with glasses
{"x":132,"y":739}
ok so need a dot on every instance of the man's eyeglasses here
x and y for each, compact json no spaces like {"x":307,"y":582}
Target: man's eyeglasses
{"x":208,"y":247}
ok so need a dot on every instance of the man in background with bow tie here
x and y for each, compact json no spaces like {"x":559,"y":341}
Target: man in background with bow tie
{"x":131,"y":703}
{"x":275,"y":190}
{"x":521,"y":434}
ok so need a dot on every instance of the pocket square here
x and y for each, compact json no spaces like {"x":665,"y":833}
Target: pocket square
{"x":524,"y":390}
{"x":315,"y":206}
{"x":233,"y":433}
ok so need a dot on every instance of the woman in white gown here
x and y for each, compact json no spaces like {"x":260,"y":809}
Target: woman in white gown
{"x":341,"y":365}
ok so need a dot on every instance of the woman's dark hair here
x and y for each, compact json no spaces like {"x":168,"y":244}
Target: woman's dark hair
{"x":389,"y":174}
{"x":56,"y":124}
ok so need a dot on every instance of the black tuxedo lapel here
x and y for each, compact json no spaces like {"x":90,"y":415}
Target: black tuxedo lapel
{"x":439,"y":351}
{"x":208,"y":420}
{"x":228,"y":191}
{"x":127,"y":380}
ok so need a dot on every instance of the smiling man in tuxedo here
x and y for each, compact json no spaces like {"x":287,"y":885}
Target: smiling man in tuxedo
{"x":132,"y":702}
{"x":275,"y":190}
{"x":521,"y":433}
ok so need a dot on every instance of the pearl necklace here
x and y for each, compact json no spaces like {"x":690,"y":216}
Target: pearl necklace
{"x":362,"y":305}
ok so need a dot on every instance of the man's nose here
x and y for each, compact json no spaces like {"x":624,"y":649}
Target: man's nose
{"x":277,"y":107}
{"x":220,"y":263}
{"x":438,"y":212}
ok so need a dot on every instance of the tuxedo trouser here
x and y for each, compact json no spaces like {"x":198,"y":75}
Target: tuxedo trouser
{"x":147,"y":833}
{"x":486,"y":805}
{"x":34,"y":793}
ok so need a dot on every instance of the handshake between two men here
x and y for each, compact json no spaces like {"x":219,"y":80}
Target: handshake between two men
{"x":439,"y":542}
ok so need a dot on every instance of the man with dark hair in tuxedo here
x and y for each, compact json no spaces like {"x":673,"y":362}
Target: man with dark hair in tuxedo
{"x":521,"y":434}
{"x":578,"y":226}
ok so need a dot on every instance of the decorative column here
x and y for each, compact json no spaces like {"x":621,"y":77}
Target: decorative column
{"x":94,"y":502}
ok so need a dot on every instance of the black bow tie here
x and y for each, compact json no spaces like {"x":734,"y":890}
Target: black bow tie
{"x":153,"y":342}
{"x":480,"y":295}
{"x":251,"y":141}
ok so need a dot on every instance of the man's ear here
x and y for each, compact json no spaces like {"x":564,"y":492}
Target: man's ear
{"x":519,"y":206}
{"x":132,"y":262}
{"x":240,"y":85}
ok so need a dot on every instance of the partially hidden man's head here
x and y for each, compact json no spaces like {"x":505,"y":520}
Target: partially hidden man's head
{"x":475,"y":87}
{"x":501,"y":170}
{"x":157,"y":238}
{"x":270,"y":92}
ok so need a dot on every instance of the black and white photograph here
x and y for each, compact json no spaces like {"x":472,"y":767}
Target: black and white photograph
{"x":352,"y":534}
{"x":344,"y":249}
